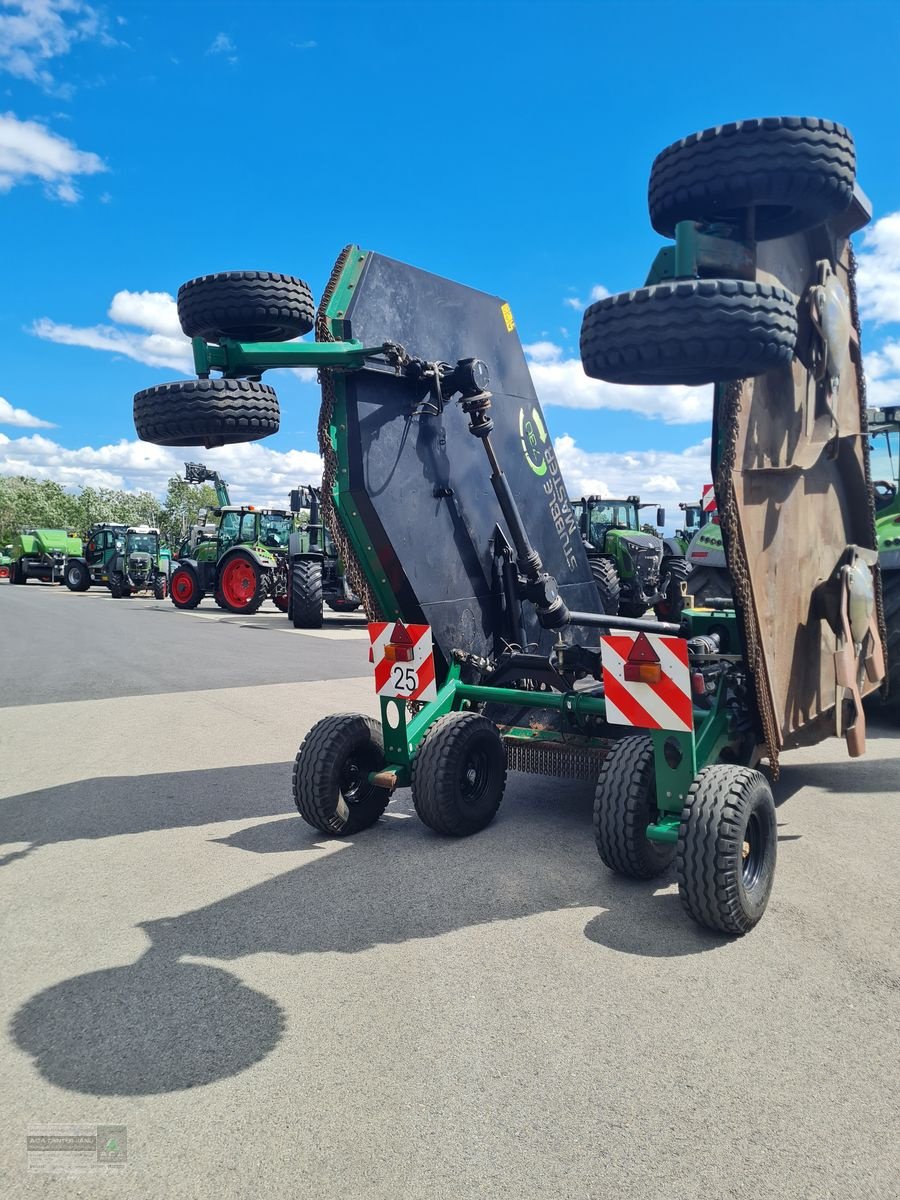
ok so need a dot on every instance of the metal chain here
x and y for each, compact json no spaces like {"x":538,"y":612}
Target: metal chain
{"x":353,"y":569}
{"x":729,"y":412}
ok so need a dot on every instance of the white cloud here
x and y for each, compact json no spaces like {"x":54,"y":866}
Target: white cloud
{"x":598,"y":292}
{"x":222,"y":44}
{"x":883,"y":374}
{"x":878,"y":273}
{"x":255,"y":473}
{"x":36,"y":31}
{"x":561,"y":382}
{"x":657,"y":476}
{"x":30,"y":151}
{"x":156,"y":341}
{"x":21,"y":417}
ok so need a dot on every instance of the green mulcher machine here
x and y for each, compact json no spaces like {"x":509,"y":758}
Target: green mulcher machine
{"x":41,"y":554}
{"x":452,"y":518}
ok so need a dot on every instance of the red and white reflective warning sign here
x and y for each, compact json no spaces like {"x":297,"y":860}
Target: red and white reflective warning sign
{"x":404,"y":660}
{"x":708,"y":498}
{"x":647,"y":681}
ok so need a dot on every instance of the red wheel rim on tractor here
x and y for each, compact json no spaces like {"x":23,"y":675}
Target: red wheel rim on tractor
{"x":238,"y":583}
{"x":183,"y":587}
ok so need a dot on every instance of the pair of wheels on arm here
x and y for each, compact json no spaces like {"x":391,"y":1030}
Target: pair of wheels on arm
{"x":769,"y":177}
{"x":242,"y":306}
{"x":458,"y":774}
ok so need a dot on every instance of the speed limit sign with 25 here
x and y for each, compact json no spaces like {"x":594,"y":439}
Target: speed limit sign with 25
{"x":403,"y":659}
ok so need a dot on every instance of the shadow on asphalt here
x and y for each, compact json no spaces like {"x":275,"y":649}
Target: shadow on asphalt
{"x":108,"y":807}
{"x":162,"y":1024}
{"x":846,"y":777}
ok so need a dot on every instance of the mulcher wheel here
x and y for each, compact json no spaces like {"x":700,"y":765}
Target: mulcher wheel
{"x":17,"y":573}
{"x":796,"y":172}
{"x":459,"y":773}
{"x":330,"y":780}
{"x":606,"y":580}
{"x":184,"y":588}
{"x":240,"y":588}
{"x":727,"y":846}
{"x":247,"y":306}
{"x":624,"y":805}
{"x":677,"y":569}
{"x":706,"y":583}
{"x":206,"y":412}
{"x":689,"y":331}
{"x":305,"y":596}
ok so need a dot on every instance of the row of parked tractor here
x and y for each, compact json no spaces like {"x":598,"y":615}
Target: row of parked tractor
{"x":240,"y":555}
{"x":246,"y":554}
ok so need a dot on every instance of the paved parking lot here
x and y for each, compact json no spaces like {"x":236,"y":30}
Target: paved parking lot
{"x":396,"y":1015}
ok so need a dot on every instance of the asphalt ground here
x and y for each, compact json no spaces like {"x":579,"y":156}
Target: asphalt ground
{"x":397,"y":1015}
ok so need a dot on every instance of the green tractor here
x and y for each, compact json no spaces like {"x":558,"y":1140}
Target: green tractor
{"x":316,"y":573}
{"x":245,"y":564}
{"x":139,"y":566}
{"x":885,"y":423}
{"x":5,"y":560}
{"x":103,"y":542}
{"x":696,"y":517}
{"x":42,"y":554}
{"x":634,"y":569}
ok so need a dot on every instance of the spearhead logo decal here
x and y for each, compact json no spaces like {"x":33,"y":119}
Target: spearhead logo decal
{"x":534,"y":439}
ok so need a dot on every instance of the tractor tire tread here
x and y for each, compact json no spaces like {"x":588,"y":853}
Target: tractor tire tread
{"x":711,"y":820}
{"x":202,"y":412}
{"x":689,"y":331}
{"x":806,"y":165}
{"x":434,"y":772}
{"x":315,"y":766}
{"x":305,"y":604}
{"x":247,"y":306}
{"x":620,"y":795}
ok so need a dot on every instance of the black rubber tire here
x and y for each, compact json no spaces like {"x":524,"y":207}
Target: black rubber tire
{"x":678,"y":569}
{"x":206,"y":412}
{"x":689,"y":331}
{"x":624,"y":805}
{"x":343,"y":606}
{"x":196,"y":595}
{"x":334,"y":754}
{"x":160,"y":587}
{"x":248,"y":306}
{"x":890,"y":591}
{"x":726,"y":808}
{"x":78,"y":577}
{"x":629,"y":608}
{"x":116,"y":585}
{"x":606,"y":580}
{"x":796,"y":171}
{"x":446,"y":799}
{"x":706,"y":583}
{"x":305,"y":595}
{"x":17,"y":573}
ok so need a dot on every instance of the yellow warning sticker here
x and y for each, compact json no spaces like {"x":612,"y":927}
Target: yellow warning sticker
{"x":508,"y":317}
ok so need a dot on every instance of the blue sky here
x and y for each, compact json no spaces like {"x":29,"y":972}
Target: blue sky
{"x":506,"y":145}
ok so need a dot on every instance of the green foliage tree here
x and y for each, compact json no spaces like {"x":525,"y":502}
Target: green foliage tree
{"x":45,"y":504}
